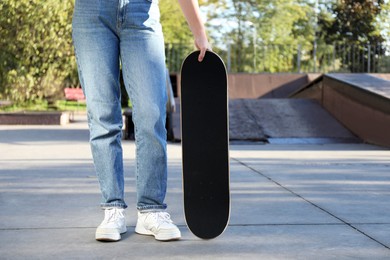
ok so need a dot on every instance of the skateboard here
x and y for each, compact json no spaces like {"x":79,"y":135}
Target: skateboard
{"x":205,"y":144}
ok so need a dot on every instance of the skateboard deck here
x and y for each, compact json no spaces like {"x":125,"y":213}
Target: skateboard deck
{"x":205,"y":144}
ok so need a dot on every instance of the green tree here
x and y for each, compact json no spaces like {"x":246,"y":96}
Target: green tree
{"x":230,"y":25}
{"x":37,"y":58}
{"x":175,"y":27}
{"x":354,"y":27}
{"x":354,"y":22}
{"x":383,"y":20}
{"x":177,"y":36}
{"x":263,"y":34}
{"x":284,"y":25}
{"x":37,"y":55}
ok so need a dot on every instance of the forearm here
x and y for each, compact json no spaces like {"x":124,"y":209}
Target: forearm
{"x":191,"y":12}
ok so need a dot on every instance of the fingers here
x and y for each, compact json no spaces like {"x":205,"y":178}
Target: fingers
{"x":202,"y":46}
{"x":202,"y":54}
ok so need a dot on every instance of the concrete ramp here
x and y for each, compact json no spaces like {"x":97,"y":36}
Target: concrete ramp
{"x":280,"y":121}
{"x":285,"y":121}
{"x":340,"y":108}
{"x":360,"y":101}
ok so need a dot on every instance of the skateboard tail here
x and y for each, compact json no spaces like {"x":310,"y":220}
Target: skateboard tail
{"x":208,"y":224}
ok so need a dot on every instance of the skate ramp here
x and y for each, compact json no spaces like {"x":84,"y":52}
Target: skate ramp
{"x":360,"y":101}
{"x":285,"y":121}
{"x":333,"y":108}
{"x":280,"y":121}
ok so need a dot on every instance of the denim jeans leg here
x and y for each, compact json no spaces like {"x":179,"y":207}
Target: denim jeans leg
{"x":97,"y":53}
{"x":143,"y":64}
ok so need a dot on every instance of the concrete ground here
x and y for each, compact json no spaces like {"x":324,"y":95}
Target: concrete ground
{"x":297,"y":201}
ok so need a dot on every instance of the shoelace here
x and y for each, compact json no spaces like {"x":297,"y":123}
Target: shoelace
{"x":161,"y":217}
{"x":112,"y":215}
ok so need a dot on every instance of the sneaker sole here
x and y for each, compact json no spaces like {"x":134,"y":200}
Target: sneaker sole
{"x":109,"y":235}
{"x":169,"y":236}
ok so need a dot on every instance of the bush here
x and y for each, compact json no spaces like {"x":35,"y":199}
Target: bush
{"x":36,"y":58}
{"x":36,"y":53}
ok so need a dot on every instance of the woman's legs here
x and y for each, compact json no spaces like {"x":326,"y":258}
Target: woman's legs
{"x":144,"y":71}
{"x":97,"y":51}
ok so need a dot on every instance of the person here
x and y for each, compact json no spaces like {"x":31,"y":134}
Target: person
{"x":110,"y":35}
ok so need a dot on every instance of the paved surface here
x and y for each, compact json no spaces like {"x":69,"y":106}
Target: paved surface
{"x":312,"y":201}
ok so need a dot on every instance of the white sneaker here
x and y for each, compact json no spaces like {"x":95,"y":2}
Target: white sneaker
{"x":157,"y":224}
{"x":113,"y":225}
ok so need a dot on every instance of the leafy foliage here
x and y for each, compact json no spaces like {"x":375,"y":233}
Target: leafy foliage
{"x":175,"y":27}
{"x":37,"y":55}
{"x":357,"y":27}
{"x":37,"y":59}
{"x":272,"y":35}
{"x":353,"y":22}
{"x":276,"y":24}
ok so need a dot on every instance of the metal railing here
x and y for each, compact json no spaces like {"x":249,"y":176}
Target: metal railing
{"x":277,"y":58}
{"x":175,"y":54}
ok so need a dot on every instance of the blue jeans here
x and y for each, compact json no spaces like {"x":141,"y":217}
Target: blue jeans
{"x":108,"y":34}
